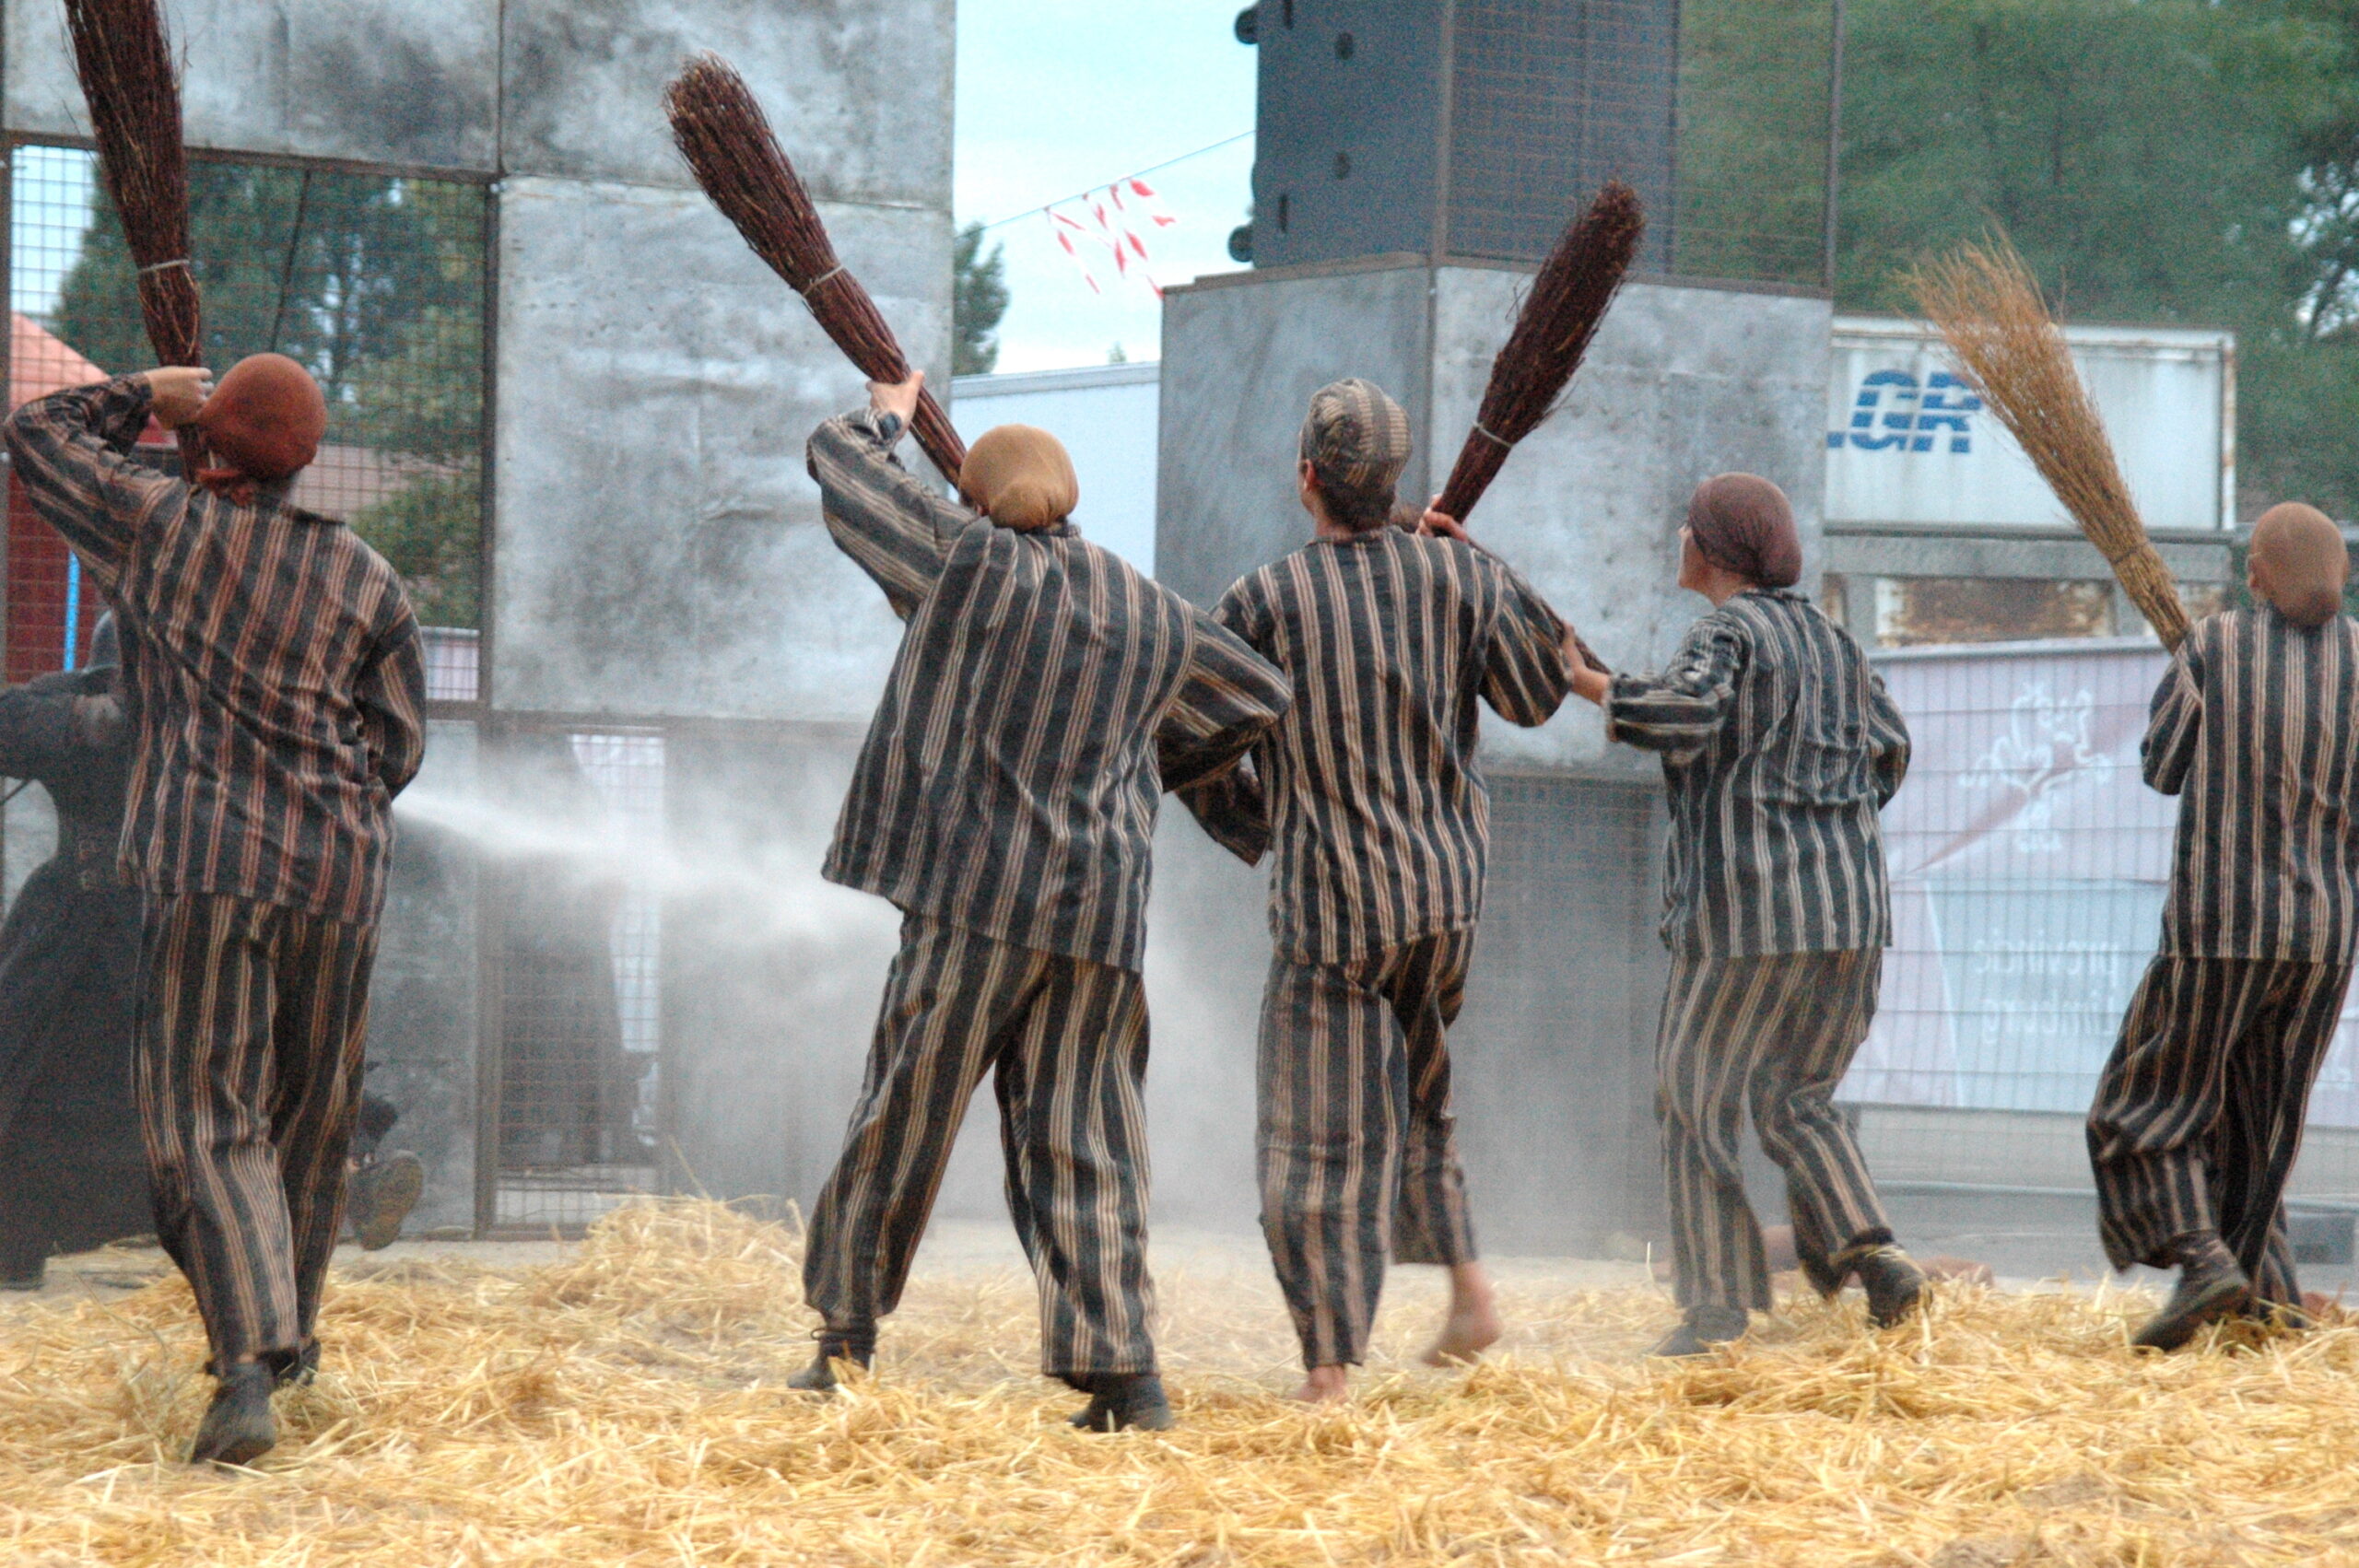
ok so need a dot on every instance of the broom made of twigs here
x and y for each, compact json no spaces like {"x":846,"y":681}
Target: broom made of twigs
{"x":2010,"y":350}
{"x":135,"y":98}
{"x":1552,"y":331}
{"x":723,"y":133}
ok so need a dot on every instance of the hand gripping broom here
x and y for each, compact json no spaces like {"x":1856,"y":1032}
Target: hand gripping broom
{"x":723,"y":133}
{"x":2011,"y":353}
{"x":135,"y":98}
{"x":1552,"y":331}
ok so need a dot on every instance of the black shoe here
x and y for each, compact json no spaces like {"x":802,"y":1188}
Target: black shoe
{"x":1121,"y":1401}
{"x":1702,"y":1328}
{"x":383,"y":1192}
{"x":238,"y":1428}
{"x":1894,"y":1282}
{"x":2210,"y":1286}
{"x":819,"y":1377}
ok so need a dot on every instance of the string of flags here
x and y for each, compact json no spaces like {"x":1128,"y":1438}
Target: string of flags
{"x":1117,"y":216}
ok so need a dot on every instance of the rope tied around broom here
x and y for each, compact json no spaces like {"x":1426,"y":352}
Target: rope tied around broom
{"x":813,"y":286}
{"x":165,"y":267}
{"x":1493,"y":436}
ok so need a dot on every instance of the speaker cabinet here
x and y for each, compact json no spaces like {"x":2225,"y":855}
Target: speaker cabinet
{"x":1456,"y":127}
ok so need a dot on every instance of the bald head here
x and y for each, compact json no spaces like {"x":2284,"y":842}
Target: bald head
{"x":2299,"y":563}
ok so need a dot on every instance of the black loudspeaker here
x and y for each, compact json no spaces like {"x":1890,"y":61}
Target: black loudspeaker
{"x":1455,"y":127}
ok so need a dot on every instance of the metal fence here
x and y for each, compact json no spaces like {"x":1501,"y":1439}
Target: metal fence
{"x":377,"y":282}
{"x":2029,"y":862}
{"x":576,"y":935}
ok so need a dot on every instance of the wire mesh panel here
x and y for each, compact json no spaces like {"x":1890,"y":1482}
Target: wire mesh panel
{"x":1755,"y":79}
{"x":2029,"y":862}
{"x":376,"y":283}
{"x":1550,"y":102}
{"x":578,"y":952}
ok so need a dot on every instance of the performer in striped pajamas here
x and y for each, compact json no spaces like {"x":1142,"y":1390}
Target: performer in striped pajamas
{"x":277,"y":686}
{"x":1369,"y":793}
{"x":2197,"y":1115}
{"x":1780,"y":748}
{"x":1043,"y":694}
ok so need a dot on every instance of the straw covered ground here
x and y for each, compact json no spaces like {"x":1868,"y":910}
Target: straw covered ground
{"x":623,"y":1404}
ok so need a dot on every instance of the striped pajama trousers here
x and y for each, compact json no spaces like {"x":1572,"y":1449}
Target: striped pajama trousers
{"x":2198,"y":1112}
{"x":1065,"y":1041}
{"x":1775,"y":1032}
{"x":1355,"y":1147}
{"x":252,"y":1024}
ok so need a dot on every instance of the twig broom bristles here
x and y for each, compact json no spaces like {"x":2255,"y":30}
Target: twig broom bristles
{"x":1987,"y":305}
{"x":135,"y":98}
{"x":1552,"y":331}
{"x":722,"y":132}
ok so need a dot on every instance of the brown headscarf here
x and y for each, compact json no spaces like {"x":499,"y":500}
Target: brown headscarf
{"x":1743,"y":524}
{"x":1021,"y":477}
{"x":263,"y":423}
{"x":2300,"y":562}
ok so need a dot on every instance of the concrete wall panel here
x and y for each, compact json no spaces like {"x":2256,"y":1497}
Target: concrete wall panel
{"x":1679,"y":384}
{"x":858,"y":92}
{"x":1240,"y":362}
{"x":660,"y":547}
{"x":386,"y":81}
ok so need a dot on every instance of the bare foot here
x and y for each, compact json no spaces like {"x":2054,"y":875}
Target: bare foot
{"x":1325,"y":1386}
{"x":1472,"y":1325}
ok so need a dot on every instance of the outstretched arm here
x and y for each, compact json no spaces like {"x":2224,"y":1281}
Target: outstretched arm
{"x":1228,"y":698}
{"x":1679,"y":711}
{"x":1888,"y":740}
{"x":895,"y":525}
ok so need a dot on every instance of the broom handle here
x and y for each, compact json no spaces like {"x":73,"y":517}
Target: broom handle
{"x":931,"y":426}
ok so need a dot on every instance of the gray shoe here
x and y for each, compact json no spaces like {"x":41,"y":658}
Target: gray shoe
{"x":1121,"y":1401}
{"x":238,"y":1428}
{"x":2211,"y":1285}
{"x":1702,"y":1330}
{"x":1894,"y":1282}
{"x":819,"y":1377}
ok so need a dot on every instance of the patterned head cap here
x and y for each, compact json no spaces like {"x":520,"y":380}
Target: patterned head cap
{"x":1357,"y":438}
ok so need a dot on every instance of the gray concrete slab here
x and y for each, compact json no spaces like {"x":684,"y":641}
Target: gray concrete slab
{"x":1679,"y":384}
{"x":858,"y":92}
{"x":659,"y":547}
{"x":385,"y":81}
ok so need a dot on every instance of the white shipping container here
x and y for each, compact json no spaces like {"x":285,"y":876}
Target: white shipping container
{"x":1907,"y":442}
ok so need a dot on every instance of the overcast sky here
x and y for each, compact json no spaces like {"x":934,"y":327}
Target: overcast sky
{"x":1056,"y":97}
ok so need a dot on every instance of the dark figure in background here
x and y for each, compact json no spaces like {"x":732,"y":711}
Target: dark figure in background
{"x":2198,"y":1112}
{"x":276,"y":691}
{"x":568,"y":1088}
{"x":1369,"y":793}
{"x":1779,"y":747}
{"x":1044,"y":695}
{"x":73,"y":1172}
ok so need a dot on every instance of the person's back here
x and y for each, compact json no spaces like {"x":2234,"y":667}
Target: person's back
{"x":277,"y":690}
{"x":1005,"y":801}
{"x":1019,"y":797}
{"x":1377,"y":817}
{"x":2196,"y":1118}
{"x":2261,"y":743}
{"x":1779,"y":749}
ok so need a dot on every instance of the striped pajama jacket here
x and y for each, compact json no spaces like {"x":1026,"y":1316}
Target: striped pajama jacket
{"x":1780,"y":748}
{"x":275,"y":684}
{"x":2197,"y":1115}
{"x":1369,"y":794}
{"x":1043,"y":697}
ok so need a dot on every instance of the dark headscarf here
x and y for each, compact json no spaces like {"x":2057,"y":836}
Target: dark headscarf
{"x":263,"y":422}
{"x":1743,"y":524}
